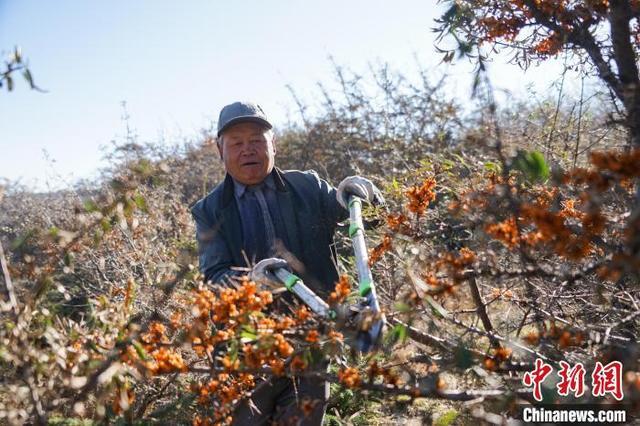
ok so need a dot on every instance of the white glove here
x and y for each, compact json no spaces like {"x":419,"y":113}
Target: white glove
{"x":361,"y":187}
{"x":262,"y":272}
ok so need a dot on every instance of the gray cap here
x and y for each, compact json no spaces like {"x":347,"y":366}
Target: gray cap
{"x":239,"y":112}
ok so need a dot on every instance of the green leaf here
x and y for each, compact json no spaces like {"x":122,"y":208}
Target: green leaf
{"x":105,"y":224}
{"x":26,"y":73}
{"x":54,"y":231}
{"x":447,"y":418}
{"x":402,"y":307}
{"x":490,"y":166}
{"x":436,"y":308}
{"x":90,"y":206}
{"x":539,"y":165}
{"x":128,"y":208}
{"x":140,"y":201}
{"x":402,"y":333}
{"x":233,"y":350}
{"x":140,"y":350}
{"x":460,"y":159}
{"x":397,"y":334}
{"x":22,"y":239}
{"x":248,"y":333}
{"x":395,"y":185}
{"x":17,"y":55}
{"x":532,"y":165}
{"x":97,"y":237}
{"x":9,"y":82}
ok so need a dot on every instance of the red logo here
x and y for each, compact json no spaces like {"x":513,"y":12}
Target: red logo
{"x":536,"y":377}
{"x":571,"y":379}
{"x":607,"y":379}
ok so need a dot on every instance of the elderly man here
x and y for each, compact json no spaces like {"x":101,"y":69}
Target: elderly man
{"x":269,"y":218}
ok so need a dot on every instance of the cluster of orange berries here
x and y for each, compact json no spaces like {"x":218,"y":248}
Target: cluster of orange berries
{"x":176,"y":319}
{"x":302,"y":314}
{"x":165,"y":360}
{"x":231,"y":307}
{"x":456,"y":262}
{"x":297,"y":364}
{"x":549,"y":45}
{"x":376,"y":253}
{"x":550,"y":227}
{"x":497,"y":356}
{"x":569,"y":210}
{"x":266,"y":349}
{"x":341,"y":291}
{"x":439,"y":286}
{"x":335,"y":336}
{"x":232,"y":303}
{"x":505,"y":231}
{"x":624,"y":165}
{"x":498,"y":293}
{"x":389,"y":376}
{"x":156,"y":334}
{"x":350,"y":377}
{"x":421,"y":196}
{"x":507,"y":28}
{"x":221,"y":393}
{"x":397,"y":222}
{"x":453,"y":265}
{"x":610,"y":167}
{"x":312,"y":337}
{"x":206,"y":421}
{"x":510,"y":17}
{"x":563,"y":337}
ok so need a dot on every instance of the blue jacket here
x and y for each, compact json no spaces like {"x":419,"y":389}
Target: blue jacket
{"x":310,"y":211}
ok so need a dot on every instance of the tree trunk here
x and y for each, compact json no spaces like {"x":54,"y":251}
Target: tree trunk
{"x":625,"y":58}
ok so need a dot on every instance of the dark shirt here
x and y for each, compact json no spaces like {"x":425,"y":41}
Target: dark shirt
{"x":262,"y":234}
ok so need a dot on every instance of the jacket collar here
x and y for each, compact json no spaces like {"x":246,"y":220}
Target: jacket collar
{"x":229,"y":185}
{"x":240,"y":188}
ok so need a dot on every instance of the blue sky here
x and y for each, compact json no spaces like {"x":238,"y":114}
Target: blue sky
{"x":175,"y":64}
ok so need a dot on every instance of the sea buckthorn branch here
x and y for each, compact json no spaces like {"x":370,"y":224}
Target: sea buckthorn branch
{"x":249,"y":341}
{"x":593,"y":331}
{"x":448,"y":346}
{"x":495,"y":336}
{"x":427,"y":389}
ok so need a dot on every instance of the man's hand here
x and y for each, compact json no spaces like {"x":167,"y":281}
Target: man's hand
{"x":361,"y":187}
{"x":262,"y":272}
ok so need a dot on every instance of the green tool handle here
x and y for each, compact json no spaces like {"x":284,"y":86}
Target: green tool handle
{"x":366,"y":340}
{"x":356,"y":232}
{"x":295,"y":285}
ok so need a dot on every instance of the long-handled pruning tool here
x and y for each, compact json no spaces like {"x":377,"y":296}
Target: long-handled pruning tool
{"x":365,"y":317}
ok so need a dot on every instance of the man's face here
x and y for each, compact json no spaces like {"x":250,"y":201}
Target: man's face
{"x":248,"y":152}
